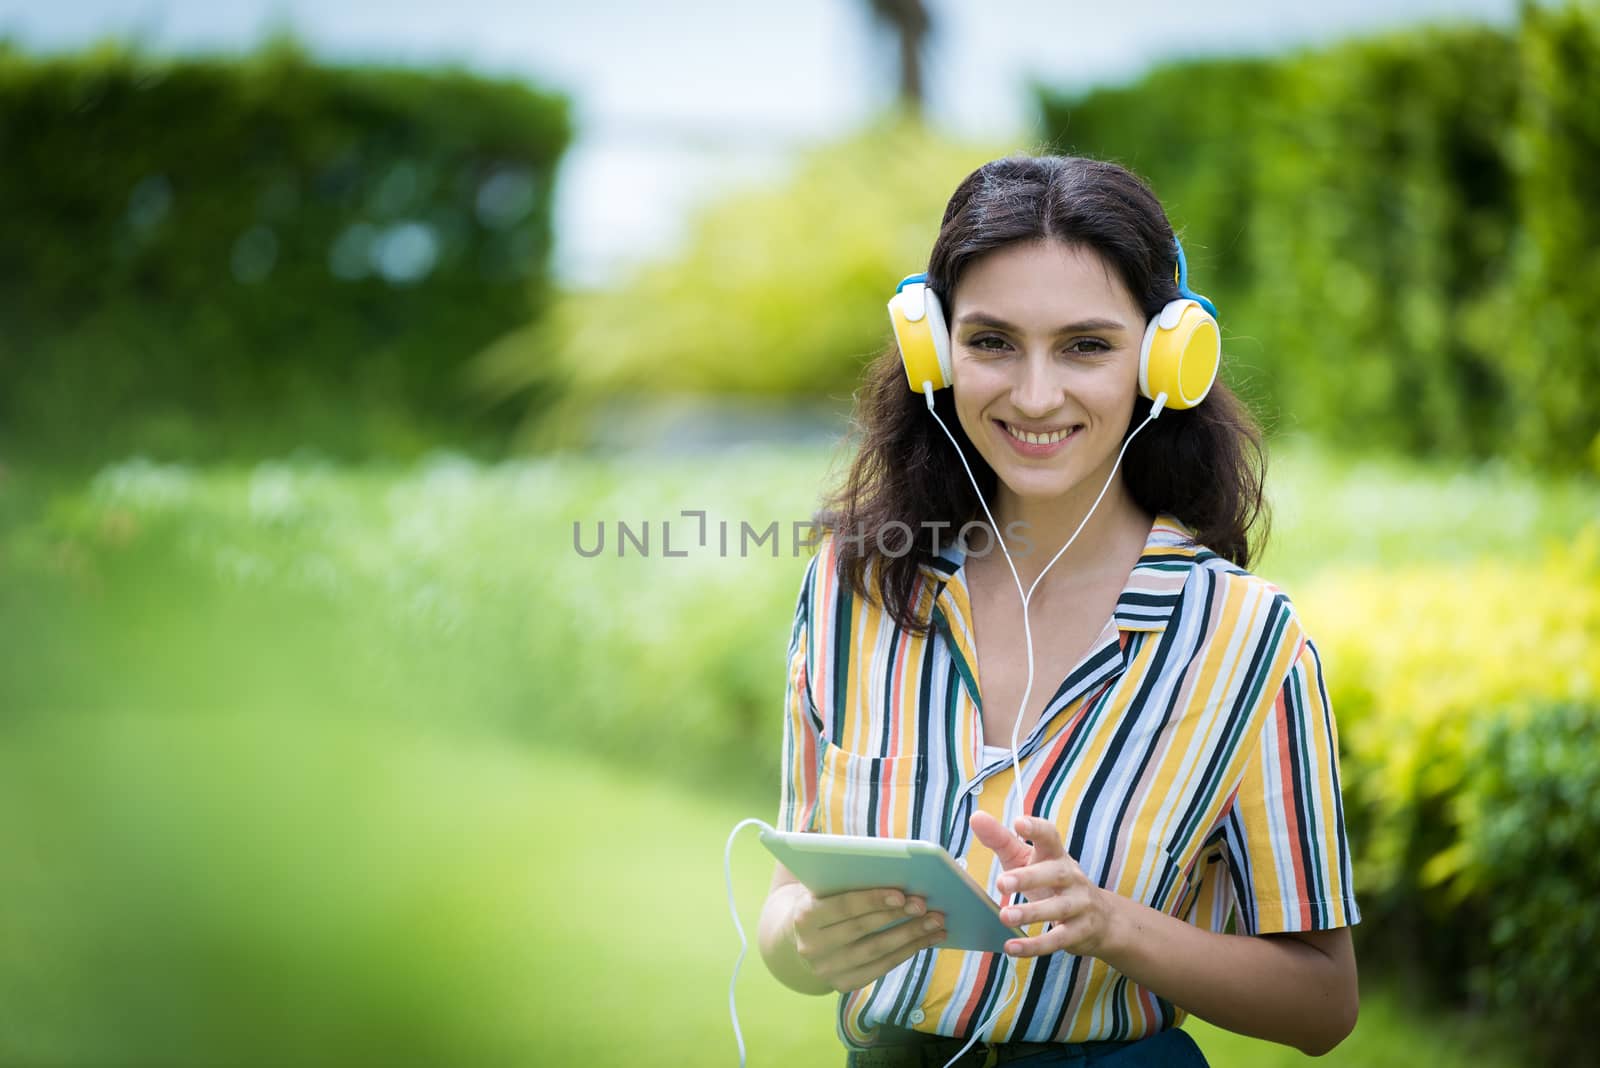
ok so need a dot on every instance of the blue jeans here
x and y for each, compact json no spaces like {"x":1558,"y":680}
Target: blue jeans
{"x":1172,"y":1048}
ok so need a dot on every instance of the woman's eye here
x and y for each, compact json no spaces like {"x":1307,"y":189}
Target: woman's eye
{"x":1084,"y":346}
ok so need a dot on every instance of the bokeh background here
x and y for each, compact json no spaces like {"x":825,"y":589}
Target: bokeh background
{"x":332,"y":336}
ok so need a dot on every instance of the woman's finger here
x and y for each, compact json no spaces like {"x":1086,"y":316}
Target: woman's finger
{"x":855,"y":978}
{"x":876,"y":946}
{"x":1056,"y":909}
{"x":837,"y":908}
{"x":1044,"y":834}
{"x":1051,"y":875}
{"x":855,"y":928}
{"x":1012,"y":851}
{"x":1054,"y":940}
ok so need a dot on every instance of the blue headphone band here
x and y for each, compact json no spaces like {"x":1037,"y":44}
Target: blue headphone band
{"x":908,"y":279}
{"x":1183,"y":281}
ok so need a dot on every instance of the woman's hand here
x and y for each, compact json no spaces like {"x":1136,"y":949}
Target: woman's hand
{"x":841,"y":940}
{"x":1081,"y":914}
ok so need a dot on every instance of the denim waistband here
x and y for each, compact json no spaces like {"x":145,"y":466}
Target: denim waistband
{"x":899,"y":1048}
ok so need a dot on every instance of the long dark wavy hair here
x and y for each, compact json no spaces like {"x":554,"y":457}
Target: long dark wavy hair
{"x":1205,"y":465}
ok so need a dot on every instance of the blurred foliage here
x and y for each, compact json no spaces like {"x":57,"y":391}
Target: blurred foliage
{"x":777,"y":291}
{"x":211,"y":257}
{"x":1399,"y":231}
{"x":1179,"y":128}
{"x":269,"y":758}
{"x":449,"y":592}
{"x":1475,"y":639}
{"x":453,"y":589}
{"x":1548,"y":315}
{"x":1468,"y":700}
{"x":1532,"y":805}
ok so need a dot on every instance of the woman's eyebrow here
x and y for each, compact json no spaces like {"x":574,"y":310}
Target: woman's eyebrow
{"x":1087,"y":326}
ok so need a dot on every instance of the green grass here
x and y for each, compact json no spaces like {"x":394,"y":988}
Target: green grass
{"x":233,"y":891}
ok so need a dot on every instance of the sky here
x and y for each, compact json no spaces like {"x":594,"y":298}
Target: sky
{"x":675,"y":103}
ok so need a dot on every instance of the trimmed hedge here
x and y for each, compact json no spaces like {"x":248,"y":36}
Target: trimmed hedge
{"x":1399,"y":231}
{"x":205,"y":253}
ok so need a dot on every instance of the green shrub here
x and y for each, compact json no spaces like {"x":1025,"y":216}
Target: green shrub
{"x":1416,"y":653}
{"x":1399,"y":231}
{"x":1465,"y":695}
{"x":207,"y":256}
{"x":1530,"y":812}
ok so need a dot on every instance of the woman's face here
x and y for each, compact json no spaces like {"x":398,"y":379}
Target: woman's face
{"x":1045,"y":353}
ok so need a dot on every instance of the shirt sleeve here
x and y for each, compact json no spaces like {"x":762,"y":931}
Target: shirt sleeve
{"x":801,"y":763}
{"x":1289,"y":859}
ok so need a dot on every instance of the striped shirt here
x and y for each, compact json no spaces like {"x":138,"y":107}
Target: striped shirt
{"x":1190,"y":760}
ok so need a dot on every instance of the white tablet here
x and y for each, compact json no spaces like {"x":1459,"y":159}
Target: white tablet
{"x":834,"y":863}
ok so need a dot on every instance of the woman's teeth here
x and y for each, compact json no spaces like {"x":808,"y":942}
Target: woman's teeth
{"x":1031,"y":438}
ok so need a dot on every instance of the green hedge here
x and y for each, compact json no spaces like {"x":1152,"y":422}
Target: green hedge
{"x":1399,"y":231}
{"x":205,"y":254}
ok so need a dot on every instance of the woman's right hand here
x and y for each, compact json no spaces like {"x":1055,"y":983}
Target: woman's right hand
{"x":840,"y":939}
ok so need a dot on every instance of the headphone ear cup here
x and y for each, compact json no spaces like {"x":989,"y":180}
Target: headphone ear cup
{"x":923,"y":338}
{"x":1180,"y":354}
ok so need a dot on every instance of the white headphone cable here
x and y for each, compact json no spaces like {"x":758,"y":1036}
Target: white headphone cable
{"x":1027,"y":638}
{"x":733,"y":909}
{"x":1016,"y":766}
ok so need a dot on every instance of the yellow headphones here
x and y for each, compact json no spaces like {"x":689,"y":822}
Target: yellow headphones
{"x":1179,"y":356}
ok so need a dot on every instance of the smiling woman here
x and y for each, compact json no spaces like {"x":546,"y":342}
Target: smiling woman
{"x":1163,"y":815}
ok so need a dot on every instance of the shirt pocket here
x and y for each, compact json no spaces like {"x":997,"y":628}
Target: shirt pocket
{"x":1179,"y":882}
{"x":864,"y":795}
{"x":1193,"y":876}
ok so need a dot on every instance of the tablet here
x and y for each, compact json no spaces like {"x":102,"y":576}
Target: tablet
{"x":834,"y":863}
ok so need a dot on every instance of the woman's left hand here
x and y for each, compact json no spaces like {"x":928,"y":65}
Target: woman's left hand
{"x":1081,"y":914}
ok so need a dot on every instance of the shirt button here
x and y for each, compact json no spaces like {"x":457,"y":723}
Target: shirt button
{"x":977,"y":790}
{"x":917,"y":1016}
{"x":962,"y":862}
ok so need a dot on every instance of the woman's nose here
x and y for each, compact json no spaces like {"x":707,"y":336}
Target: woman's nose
{"x":1036,"y":392}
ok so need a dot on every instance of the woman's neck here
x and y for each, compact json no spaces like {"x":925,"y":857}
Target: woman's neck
{"x":1043,"y":526}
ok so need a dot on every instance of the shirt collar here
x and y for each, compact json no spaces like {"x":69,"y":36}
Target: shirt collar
{"x":1152,"y":591}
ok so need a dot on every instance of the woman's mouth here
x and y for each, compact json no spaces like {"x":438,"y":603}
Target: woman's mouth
{"x":1039,"y":442}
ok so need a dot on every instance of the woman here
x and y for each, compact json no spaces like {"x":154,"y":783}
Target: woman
{"x":1178,"y":758}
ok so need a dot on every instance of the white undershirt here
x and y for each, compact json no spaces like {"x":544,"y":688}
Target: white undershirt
{"x":992,"y":753}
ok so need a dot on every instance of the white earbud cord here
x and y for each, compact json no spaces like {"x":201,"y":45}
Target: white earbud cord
{"x":1016,"y":766}
{"x":1027,"y":639}
{"x":733,"y":909}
